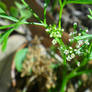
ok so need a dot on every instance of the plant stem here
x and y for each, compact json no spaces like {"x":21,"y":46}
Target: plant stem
{"x":61,"y":43}
{"x":45,"y":6}
{"x":64,"y":84}
{"x":34,"y":23}
{"x":60,"y":13}
{"x":65,"y":79}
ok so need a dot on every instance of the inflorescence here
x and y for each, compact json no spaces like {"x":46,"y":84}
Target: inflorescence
{"x":80,"y":46}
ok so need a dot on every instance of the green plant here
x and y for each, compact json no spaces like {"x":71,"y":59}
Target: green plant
{"x":79,"y":43}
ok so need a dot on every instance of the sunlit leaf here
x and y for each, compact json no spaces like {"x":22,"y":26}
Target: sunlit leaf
{"x":90,"y":16}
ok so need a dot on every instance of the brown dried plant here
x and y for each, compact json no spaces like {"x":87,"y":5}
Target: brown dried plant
{"x":37,"y":64}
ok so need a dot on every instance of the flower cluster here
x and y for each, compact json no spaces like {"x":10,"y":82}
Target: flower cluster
{"x":54,"y":32}
{"x":78,"y":50}
{"x":69,"y":54}
{"x":80,"y":45}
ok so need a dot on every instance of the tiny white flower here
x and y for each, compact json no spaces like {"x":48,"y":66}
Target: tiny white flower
{"x":61,"y":47}
{"x":75,"y":32}
{"x":78,"y":52}
{"x":72,"y":55}
{"x":78,"y":64}
{"x":54,"y":41}
{"x":62,"y":30}
{"x":51,"y":35}
{"x":77,"y":46}
{"x":75,"y":24}
{"x":58,"y":35}
{"x":71,"y":33}
{"x":70,"y":40}
{"x":66,"y":52}
{"x":71,"y":51}
{"x":80,"y":42}
{"x":86,"y":30}
{"x":75,"y":50}
{"x":70,"y":48}
{"x":68,"y":58}
{"x":47,"y":30}
{"x":79,"y":34}
{"x":86,"y":42}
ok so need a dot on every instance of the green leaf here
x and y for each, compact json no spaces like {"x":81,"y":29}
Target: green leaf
{"x":4,"y":38}
{"x":4,"y":44}
{"x":19,"y":58}
{"x":1,"y":10}
{"x":90,"y":57}
{"x":14,"y":11}
{"x":90,"y":16}
{"x":80,"y":1}
{"x":7,"y":26}
{"x":90,"y":49}
{"x":83,"y":37}
{"x":26,"y":13}
{"x":53,"y":66}
{"x":9,"y":17}
{"x":3,"y":6}
{"x":90,"y":11}
{"x":5,"y":35}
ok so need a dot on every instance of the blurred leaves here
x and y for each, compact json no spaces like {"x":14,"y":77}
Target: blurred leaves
{"x":24,"y":13}
{"x":19,"y":58}
{"x":1,"y":11}
{"x":54,"y":66}
{"x":14,"y":11}
{"x":3,"y":6}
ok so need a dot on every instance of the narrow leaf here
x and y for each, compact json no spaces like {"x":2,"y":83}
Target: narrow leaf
{"x":4,"y":44}
{"x":90,"y":58}
{"x":89,"y":16}
{"x":7,"y":26}
{"x":80,"y":1}
{"x":8,"y":17}
{"x":83,"y":37}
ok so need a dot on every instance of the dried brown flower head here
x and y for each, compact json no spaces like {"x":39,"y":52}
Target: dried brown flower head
{"x":37,"y":63}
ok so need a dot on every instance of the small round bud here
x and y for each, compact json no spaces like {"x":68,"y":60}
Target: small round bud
{"x":75,"y":25}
